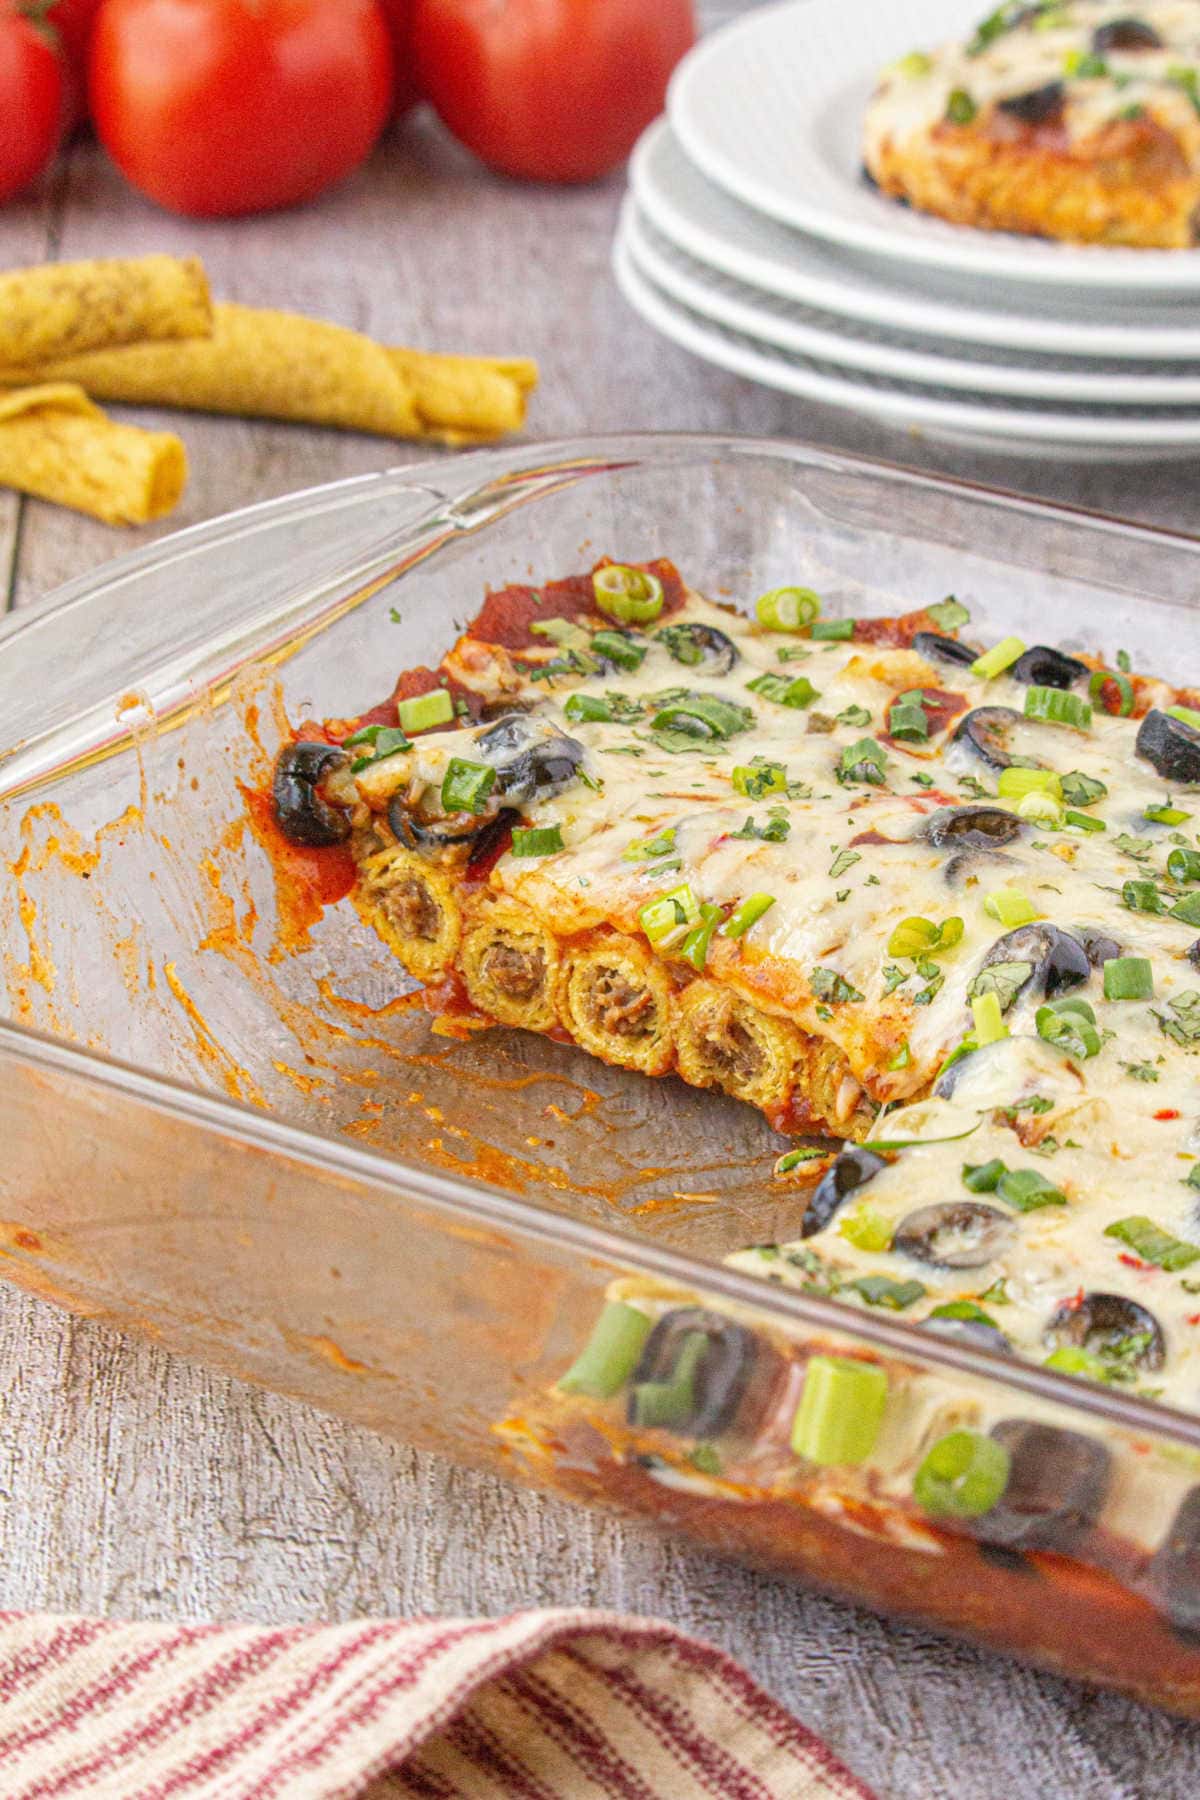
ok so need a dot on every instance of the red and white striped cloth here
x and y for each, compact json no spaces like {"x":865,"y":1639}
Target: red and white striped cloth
{"x":538,"y":1706}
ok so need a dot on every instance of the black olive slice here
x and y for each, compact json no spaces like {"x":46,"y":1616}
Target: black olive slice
{"x":1047,"y":667}
{"x":698,"y":645}
{"x":703,"y":1355}
{"x":429,"y":835}
{"x":853,"y":1169}
{"x":1125,"y":34}
{"x":1040,"y":106}
{"x":955,"y":1234}
{"x":1171,"y":747}
{"x":1059,"y":962}
{"x":300,"y":812}
{"x":533,"y":760}
{"x":1193,"y":954}
{"x":971,"y":828}
{"x":1056,"y":1486}
{"x":987,"y":730}
{"x":1175,"y":1569}
{"x":1099,"y":948}
{"x":1109,"y":1321}
{"x":932,"y":646}
{"x":976,"y":1332}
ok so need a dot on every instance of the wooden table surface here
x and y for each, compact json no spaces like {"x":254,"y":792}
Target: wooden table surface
{"x":135,"y":1485}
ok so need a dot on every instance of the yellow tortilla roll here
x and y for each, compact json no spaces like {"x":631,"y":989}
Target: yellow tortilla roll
{"x":722,"y":1041}
{"x":56,"y":444}
{"x":275,"y":365}
{"x":615,"y":1000}
{"x":64,"y":309}
{"x":411,"y":904}
{"x":509,"y":963}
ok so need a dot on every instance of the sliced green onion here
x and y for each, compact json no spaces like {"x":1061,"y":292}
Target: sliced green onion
{"x":668,"y":1405}
{"x":915,"y":64}
{"x":960,"y":108}
{"x":611,"y":1353}
{"x":912,"y":937}
{"x":949,"y":614}
{"x":466,"y":786}
{"x":702,"y":716}
{"x":583,"y":709}
{"x":1128,"y":978}
{"x":384,"y":740}
{"x":1072,"y":1359}
{"x":1028,"y":1190}
{"x":563,"y":632}
{"x":747,"y":914}
{"x":1011,"y":907}
{"x":962,"y":1476}
{"x":1186,"y":716}
{"x":756,"y":780}
{"x":1187,"y":910}
{"x":1058,"y":706}
{"x":787,"y":608}
{"x":536,"y":840}
{"x":1100,"y":686}
{"x":644,"y":849}
{"x":1142,"y":896}
{"x":901,"y":1058}
{"x":1001,"y":656}
{"x":792,"y":1159}
{"x":932,"y":1121}
{"x":619,"y":650}
{"x":426,"y":710}
{"x":881,"y":1290}
{"x":1146,"y":1240}
{"x":835,"y":631}
{"x":866,"y":1230}
{"x":841,"y":1411}
{"x":667,"y":920}
{"x":989,"y":1020}
{"x":1014,"y":784}
{"x":863,"y":761}
{"x":1082,"y":822}
{"x":694,"y":948}
{"x":797,"y":692}
{"x":965,"y":1309}
{"x":982,"y":1178}
{"x":1043,"y":809}
{"x":1167,"y":815}
{"x":1084,"y":66}
{"x":908,"y":721}
{"x":1068,"y":1031}
{"x":631,"y":596}
{"x":1184,"y":865}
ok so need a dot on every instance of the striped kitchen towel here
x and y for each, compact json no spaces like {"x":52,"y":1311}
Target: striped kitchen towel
{"x":539,"y":1706}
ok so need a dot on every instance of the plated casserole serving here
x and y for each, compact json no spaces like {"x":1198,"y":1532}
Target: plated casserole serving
{"x":934,"y":898}
{"x":1071,"y":119}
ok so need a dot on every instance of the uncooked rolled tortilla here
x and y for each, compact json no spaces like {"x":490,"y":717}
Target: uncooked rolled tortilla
{"x":275,"y":365}
{"x":55,"y":443}
{"x":64,"y":309}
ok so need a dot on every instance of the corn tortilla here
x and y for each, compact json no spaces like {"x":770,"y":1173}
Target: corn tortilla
{"x":274,"y":365}
{"x":64,"y":309}
{"x":55,"y":443}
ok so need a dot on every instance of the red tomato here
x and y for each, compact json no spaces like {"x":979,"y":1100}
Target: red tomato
{"x":398,"y":14}
{"x":73,"y":21}
{"x":220,"y":107}
{"x":31,"y":99}
{"x":552,"y":90}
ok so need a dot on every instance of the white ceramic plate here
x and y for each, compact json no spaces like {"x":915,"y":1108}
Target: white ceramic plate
{"x":771,"y":109}
{"x":1011,"y":427}
{"x":722,"y":233}
{"x":785,"y":325}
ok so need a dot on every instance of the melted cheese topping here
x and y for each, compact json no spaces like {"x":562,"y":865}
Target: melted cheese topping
{"x":913,"y":96}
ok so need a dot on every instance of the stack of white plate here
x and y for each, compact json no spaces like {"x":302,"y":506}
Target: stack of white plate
{"x":750,"y":237}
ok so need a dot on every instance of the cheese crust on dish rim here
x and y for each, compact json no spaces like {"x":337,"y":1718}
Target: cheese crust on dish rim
{"x":1078,"y":121}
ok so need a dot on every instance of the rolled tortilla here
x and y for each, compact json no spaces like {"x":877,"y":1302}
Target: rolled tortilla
{"x":56,"y":444}
{"x":65,"y":309}
{"x":275,"y":365}
{"x":722,"y":1041}
{"x":509,"y":963}
{"x":412,"y":905}
{"x":615,"y":1000}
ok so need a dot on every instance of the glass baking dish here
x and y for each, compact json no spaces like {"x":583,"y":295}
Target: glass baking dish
{"x":227,"y":1125}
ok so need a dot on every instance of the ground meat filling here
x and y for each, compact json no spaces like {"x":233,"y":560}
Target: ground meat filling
{"x":413,"y":909}
{"x":518,"y":973}
{"x":621,"y":1008}
{"x":735,"y":1055}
